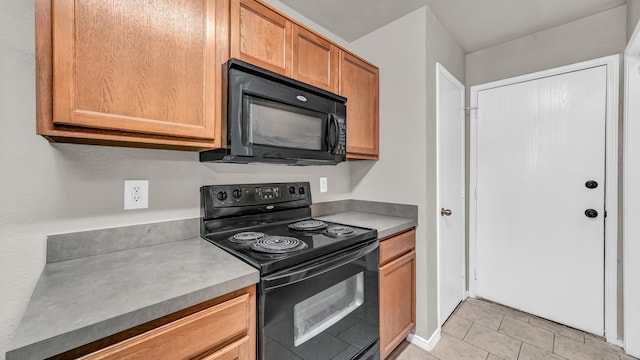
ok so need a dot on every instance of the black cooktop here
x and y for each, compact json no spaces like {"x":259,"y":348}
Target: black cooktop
{"x":270,"y":215}
{"x":319,"y":243}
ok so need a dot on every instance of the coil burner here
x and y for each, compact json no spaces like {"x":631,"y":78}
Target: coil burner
{"x":278,"y":244}
{"x":246,"y":237}
{"x":337,"y":231}
{"x":308,"y":225}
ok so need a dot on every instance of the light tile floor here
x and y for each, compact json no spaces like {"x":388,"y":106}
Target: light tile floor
{"x":483,"y":330}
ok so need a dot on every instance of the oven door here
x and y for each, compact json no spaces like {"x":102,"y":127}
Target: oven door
{"x":325,"y":310}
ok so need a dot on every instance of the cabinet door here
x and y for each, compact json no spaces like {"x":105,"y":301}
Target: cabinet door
{"x":260,"y":36}
{"x":397,"y":301}
{"x":189,"y":336}
{"x":359,"y":84}
{"x":316,"y":61}
{"x":239,"y":350}
{"x":136,"y":66}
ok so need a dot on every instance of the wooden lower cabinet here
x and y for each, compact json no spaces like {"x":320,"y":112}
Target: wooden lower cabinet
{"x":397,"y":290}
{"x":224,"y":331}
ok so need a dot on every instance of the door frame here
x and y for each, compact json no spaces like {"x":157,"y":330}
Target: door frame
{"x":629,"y":231}
{"x":612,"y":64}
{"x":442,"y":71}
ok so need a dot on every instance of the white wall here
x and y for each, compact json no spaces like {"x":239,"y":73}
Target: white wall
{"x":47,"y":189}
{"x":633,"y":15}
{"x":588,"y":38}
{"x":406,"y":171}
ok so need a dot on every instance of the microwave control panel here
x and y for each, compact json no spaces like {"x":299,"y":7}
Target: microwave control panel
{"x":341,"y":148}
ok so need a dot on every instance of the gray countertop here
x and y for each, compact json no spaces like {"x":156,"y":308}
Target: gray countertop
{"x":98,"y":283}
{"x":82,"y":300}
{"x":385,"y":224}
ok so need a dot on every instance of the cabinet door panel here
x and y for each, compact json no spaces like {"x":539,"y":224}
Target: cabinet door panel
{"x":359,"y":84}
{"x":135,"y":65}
{"x":398,"y":245}
{"x":187,"y":337}
{"x":315,"y":60}
{"x":239,"y":350}
{"x":260,"y":36}
{"x":397,"y":301}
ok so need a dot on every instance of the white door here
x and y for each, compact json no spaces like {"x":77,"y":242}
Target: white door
{"x":540,"y":197}
{"x":451,"y":194}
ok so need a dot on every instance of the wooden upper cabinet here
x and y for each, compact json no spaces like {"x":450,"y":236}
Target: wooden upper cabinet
{"x":136,"y":66}
{"x":260,"y":36}
{"x":316,"y":61}
{"x":359,"y":83}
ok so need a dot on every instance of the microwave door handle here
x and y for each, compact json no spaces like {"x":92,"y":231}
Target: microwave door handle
{"x":333,"y":123}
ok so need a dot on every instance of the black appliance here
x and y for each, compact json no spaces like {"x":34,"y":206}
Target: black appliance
{"x":318,"y":290}
{"x":275,"y":119}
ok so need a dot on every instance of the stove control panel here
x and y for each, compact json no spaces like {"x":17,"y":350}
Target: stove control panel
{"x":268,"y":192}
{"x":222,"y":196}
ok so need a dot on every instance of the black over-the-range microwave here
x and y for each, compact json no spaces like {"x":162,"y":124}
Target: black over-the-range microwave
{"x":271,"y":118}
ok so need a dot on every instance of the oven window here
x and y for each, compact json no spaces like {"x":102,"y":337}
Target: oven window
{"x":317,"y":313}
{"x":279,"y":125}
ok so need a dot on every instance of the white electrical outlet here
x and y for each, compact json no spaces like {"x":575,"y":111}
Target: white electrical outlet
{"x":323,"y":184}
{"x":136,"y":194}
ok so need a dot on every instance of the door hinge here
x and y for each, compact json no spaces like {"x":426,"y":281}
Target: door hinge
{"x":605,"y":213}
{"x":475,"y":274}
{"x":476,"y":193}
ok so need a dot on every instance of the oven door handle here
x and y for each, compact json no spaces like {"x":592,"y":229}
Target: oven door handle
{"x":316,"y":268}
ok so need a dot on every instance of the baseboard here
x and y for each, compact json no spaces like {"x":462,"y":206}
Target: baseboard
{"x":425,"y":344}
{"x":617,"y":342}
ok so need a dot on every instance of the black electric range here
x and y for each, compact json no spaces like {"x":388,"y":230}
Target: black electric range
{"x":270,"y":226}
{"x":318,"y":289}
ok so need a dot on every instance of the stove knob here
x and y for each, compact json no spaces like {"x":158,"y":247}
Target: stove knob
{"x":237,"y":193}
{"x":292,"y":190}
{"x":222,"y":195}
{"x":301,"y":190}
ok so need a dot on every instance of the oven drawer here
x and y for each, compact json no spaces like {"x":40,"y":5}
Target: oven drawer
{"x":190,"y":336}
{"x":396,"y":246}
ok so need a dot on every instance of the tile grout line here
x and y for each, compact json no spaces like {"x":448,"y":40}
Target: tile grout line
{"x":520,"y":349}
{"x":470,"y":344}
{"x":489,"y":329}
{"x":466,"y":332}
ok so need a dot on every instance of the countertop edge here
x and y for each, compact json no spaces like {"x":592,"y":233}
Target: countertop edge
{"x":397,"y":229}
{"x":60,"y":343}
{"x":73,"y":339}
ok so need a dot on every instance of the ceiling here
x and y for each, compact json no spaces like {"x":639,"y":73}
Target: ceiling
{"x":475,"y":24}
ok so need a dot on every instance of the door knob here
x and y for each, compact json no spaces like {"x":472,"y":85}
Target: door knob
{"x":591,"y":213}
{"x":445,"y":212}
{"x":591,"y":184}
